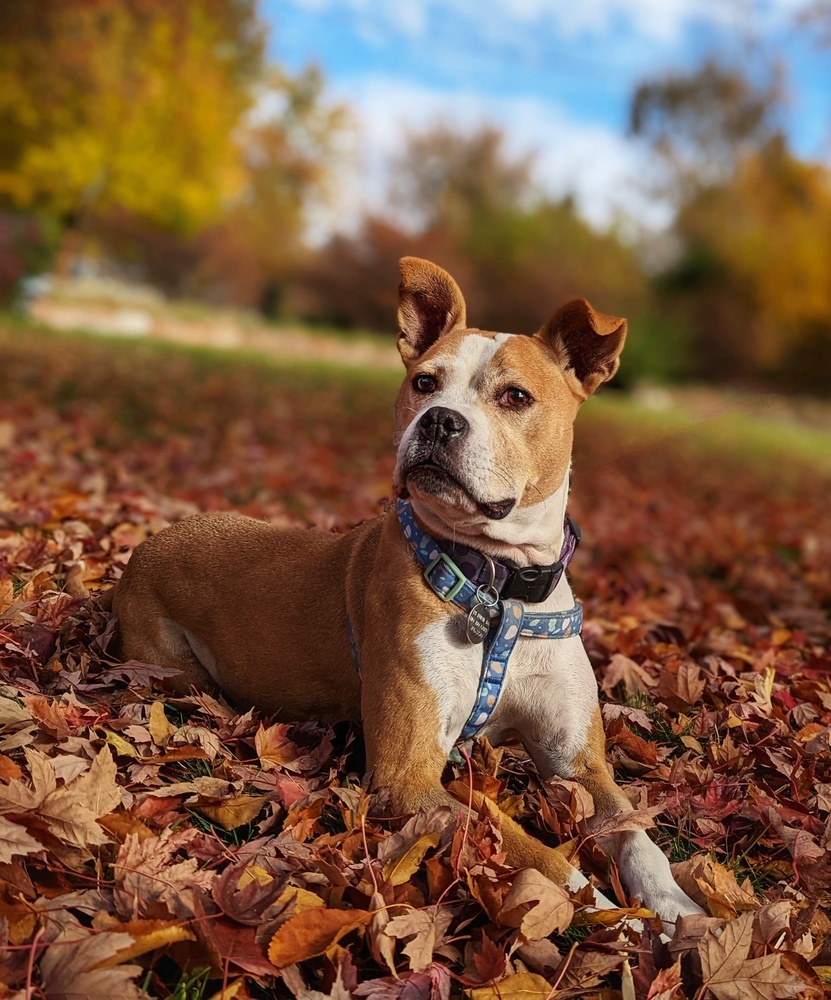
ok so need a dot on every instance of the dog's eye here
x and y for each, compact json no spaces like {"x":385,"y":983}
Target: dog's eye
{"x":515,"y":398}
{"x":425,"y":383}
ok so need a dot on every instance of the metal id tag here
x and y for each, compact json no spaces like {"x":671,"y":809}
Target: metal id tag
{"x":478,"y":623}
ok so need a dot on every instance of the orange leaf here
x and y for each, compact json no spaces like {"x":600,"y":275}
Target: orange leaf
{"x":313,"y":933}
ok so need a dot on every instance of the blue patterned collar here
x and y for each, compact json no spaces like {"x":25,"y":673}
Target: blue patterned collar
{"x":503,"y":619}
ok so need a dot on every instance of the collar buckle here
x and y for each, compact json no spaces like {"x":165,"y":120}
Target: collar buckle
{"x":531,"y":584}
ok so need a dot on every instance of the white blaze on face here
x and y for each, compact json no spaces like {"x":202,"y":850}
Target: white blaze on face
{"x":483,"y":464}
{"x":460,"y":377}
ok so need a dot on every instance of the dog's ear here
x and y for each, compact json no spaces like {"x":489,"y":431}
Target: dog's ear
{"x":586,"y":343}
{"x":429,"y":306}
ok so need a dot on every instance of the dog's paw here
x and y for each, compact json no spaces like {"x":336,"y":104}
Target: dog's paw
{"x":671,"y":902}
{"x":647,"y":875}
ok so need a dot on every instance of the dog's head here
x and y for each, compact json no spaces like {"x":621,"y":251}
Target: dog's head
{"x":484,"y":420}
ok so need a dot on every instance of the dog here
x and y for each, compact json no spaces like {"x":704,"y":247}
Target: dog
{"x":447,"y":617}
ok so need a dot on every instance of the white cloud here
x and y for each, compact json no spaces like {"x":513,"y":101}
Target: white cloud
{"x":662,"y":20}
{"x":602,"y":169}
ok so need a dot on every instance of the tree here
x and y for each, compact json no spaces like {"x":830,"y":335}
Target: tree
{"x":478,"y":212}
{"x":753,"y":228}
{"x":128,"y":103}
{"x":701,"y":123}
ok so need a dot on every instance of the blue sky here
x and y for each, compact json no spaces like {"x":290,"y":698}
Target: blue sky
{"x":556,"y":75}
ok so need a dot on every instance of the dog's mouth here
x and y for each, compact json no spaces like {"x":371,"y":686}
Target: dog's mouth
{"x":431,"y":478}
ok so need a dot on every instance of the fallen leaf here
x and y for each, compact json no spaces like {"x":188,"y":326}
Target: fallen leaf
{"x":402,"y":868}
{"x":234,"y":812}
{"x":69,"y":968}
{"x":160,"y":728}
{"x":313,"y":933}
{"x":521,"y":986}
{"x":423,"y":930}
{"x":538,"y":906}
{"x":730,"y":975}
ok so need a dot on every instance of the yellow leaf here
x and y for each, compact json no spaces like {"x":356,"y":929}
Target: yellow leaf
{"x":607,"y":918}
{"x":254,"y":873}
{"x":160,"y":729}
{"x":313,"y":933}
{"x":303,"y":899}
{"x":159,"y":937}
{"x":120,"y":745}
{"x":522,"y":986}
{"x":401,"y":869}
{"x":733,"y":720}
{"x":691,"y":743}
{"x":232,"y":991}
{"x":233,"y":812}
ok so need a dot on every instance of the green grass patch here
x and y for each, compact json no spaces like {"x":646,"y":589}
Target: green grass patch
{"x":737,"y":436}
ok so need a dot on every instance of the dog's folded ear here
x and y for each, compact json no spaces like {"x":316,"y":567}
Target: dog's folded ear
{"x":429,"y":306}
{"x":586,"y":343}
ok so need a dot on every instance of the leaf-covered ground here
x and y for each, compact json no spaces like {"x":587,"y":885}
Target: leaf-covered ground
{"x":174,"y":847}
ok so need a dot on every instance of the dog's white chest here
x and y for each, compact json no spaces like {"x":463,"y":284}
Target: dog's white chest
{"x":549,"y":691}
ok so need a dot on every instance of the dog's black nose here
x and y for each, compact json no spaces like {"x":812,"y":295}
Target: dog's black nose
{"x":440,"y":424}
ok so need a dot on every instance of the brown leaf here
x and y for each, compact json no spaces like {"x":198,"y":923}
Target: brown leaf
{"x":426,"y":929}
{"x":716,"y":885}
{"x":665,"y":984}
{"x":489,"y":960}
{"x":70,"y":971}
{"x":550,"y":910}
{"x":150,"y":882}
{"x":730,"y":975}
{"x":8,"y":769}
{"x":313,"y":933}
{"x":622,"y":669}
{"x":49,"y":714}
{"x":15,"y":840}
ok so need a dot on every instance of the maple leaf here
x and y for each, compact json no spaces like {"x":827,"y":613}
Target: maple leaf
{"x":244,"y":895}
{"x":551,"y":909}
{"x":160,"y":728}
{"x":432,"y":984}
{"x":622,"y":669}
{"x":730,"y":975}
{"x":717,"y":884}
{"x":424,"y":930}
{"x":15,"y":840}
{"x":149,"y":882}
{"x":489,"y":960}
{"x":233,"y":812}
{"x":70,"y":971}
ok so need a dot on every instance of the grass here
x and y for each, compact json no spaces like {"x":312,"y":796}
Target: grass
{"x":749,"y":439}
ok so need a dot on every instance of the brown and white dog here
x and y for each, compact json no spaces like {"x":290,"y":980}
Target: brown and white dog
{"x":484,"y":432}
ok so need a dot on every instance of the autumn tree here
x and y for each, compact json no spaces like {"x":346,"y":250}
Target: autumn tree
{"x":466,"y":202}
{"x":701,"y":123}
{"x":125,"y":102}
{"x":753,"y":227}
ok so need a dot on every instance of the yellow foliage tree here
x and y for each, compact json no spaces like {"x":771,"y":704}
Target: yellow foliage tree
{"x":131,"y":103}
{"x":768,"y":234}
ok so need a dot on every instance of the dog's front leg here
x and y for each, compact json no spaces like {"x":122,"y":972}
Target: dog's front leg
{"x":643,"y":865}
{"x":401,"y":728}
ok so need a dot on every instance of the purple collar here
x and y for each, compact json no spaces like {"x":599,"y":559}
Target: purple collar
{"x":531,"y":584}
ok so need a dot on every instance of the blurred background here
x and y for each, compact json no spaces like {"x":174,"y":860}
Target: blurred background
{"x":221,"y":171}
